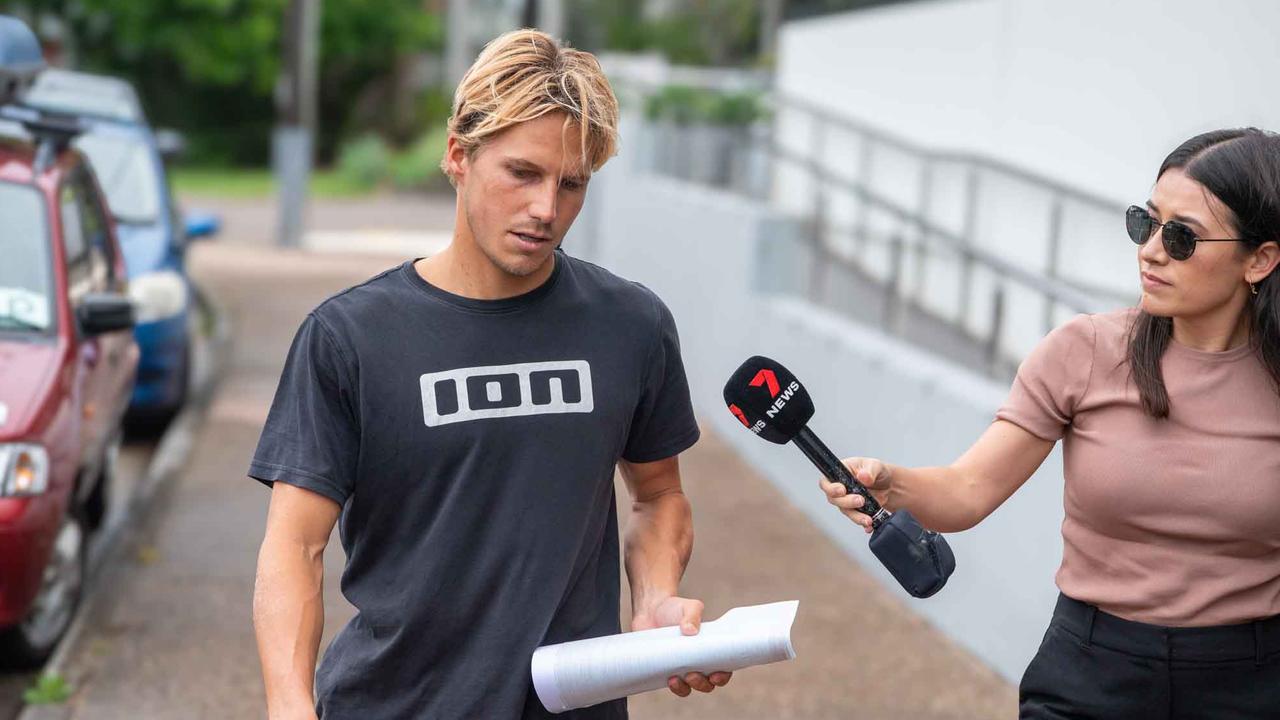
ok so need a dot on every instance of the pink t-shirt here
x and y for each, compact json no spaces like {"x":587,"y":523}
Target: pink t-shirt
{"x":1173,"y":522}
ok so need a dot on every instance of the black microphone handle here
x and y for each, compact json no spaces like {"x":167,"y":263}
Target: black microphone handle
{"x":820,"y":455}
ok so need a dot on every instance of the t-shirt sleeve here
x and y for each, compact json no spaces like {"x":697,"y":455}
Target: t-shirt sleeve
{"x":311,"y":438}
{"x":663,"y":425}
{"x":1052,"y":381}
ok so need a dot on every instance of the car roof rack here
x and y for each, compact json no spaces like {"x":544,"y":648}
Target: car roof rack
{"x":100,"y":97}
{"x":21,"y":60}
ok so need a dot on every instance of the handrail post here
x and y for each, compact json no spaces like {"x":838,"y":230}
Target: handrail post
{"x":997,"y":328}
{"x":818,"y":270}
{"x":892,"y":316}
{"x":968,"y":238}
{"x":1051,"y":266}
{"x":922,"y":229}
{"x":863,"y":185}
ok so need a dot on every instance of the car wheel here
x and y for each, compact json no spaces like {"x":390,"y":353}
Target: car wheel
{"x":30,"y":643}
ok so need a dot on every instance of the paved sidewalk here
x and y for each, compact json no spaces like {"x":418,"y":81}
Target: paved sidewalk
{"x":174,"y":637}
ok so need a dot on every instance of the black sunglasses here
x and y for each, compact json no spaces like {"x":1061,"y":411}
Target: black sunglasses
{"x":1178,"y":239}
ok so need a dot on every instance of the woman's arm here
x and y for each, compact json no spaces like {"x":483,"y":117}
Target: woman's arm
{"x":954,"y":497}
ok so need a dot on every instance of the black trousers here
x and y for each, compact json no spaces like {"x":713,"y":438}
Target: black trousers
{"x":1098,"y":666}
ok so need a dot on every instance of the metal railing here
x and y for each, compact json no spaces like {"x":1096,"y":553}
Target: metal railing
{"x":899,"y":247}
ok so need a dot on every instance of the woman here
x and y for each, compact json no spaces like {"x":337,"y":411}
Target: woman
{"x":1170,"y":420}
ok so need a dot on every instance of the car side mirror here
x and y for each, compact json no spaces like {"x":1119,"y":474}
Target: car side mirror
{"x":171,"y":144}
{"x":105,"y":312}
{"x":202,"y":225}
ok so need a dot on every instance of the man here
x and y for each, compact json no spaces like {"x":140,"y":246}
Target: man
{"x":462,"y":415}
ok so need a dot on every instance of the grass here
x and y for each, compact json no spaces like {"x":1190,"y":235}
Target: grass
{"x":48,"y":690}
{"x":255,"y":182}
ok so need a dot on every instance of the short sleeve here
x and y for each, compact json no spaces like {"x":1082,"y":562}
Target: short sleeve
{"x":311,"y":438}
{"x":1052,"y":381}
{"x":663,"y":425}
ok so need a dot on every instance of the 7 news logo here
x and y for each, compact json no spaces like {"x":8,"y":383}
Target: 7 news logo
{"x":769,"y":380}
{"x":498,"y":391}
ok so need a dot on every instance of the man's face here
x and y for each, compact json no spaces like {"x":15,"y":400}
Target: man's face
{"x":521,"y":190}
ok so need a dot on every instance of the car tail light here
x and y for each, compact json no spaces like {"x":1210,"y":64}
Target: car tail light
{"x":24,"y":470}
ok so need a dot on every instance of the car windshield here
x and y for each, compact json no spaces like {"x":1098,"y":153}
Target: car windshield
{"x":26,"y":278}
{"x":127,"y":173}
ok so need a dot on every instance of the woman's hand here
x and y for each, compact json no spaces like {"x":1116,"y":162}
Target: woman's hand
{"x":873,"y":474}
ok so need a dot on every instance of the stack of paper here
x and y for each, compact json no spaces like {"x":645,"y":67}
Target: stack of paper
{"x":586,"y":672}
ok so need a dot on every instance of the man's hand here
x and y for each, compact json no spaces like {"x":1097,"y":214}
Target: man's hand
{"x":686,"y":613}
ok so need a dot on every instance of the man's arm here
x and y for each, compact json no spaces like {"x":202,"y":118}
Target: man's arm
{"x":288,"y":607}
{"x":658,"y":545}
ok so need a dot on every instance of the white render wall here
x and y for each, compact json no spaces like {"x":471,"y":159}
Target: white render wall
{"x":1091,"y":94}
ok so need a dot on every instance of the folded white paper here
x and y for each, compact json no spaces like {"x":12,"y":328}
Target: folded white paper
{"x":586,"y":672}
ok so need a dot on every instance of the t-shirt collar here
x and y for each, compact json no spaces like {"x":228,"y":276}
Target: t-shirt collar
{"x":503,"y":305}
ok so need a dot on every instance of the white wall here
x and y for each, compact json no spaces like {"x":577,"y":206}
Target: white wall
{"x":1093,"y":92}
{"x":707,"y":254}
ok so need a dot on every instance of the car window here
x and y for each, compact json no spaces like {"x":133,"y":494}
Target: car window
{"x":85,"y":238}
{"x":26,"y":274}
{"x":75,"y":246}
{"x":128,"y":174}
{"x":97,"y":227}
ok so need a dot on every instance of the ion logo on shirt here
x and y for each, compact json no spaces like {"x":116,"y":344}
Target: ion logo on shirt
{"x":497,"y":391}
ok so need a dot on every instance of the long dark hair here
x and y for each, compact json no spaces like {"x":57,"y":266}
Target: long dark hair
{"x":1241,"y":167}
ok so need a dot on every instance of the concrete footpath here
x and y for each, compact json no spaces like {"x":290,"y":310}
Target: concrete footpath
{"x":172,"y":635}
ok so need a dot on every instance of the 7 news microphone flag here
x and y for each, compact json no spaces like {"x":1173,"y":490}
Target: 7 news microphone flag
{"x":770,"y":402}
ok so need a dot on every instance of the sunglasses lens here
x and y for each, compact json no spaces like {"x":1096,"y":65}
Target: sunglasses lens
{"x":1179,"y":241}
{"x":1138,"y":222}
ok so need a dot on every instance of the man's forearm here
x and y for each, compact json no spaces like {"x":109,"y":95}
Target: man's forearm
{"x":659,"y":543}
{"x":288,"y":617}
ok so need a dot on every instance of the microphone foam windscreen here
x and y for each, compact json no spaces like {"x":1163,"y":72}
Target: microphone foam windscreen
{"x":768,"y":400}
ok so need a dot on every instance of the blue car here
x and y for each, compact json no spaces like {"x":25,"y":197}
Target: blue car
{"x":129,"y":161}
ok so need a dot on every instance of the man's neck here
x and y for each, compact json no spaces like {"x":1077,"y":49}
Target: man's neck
{"x":463,"y":269}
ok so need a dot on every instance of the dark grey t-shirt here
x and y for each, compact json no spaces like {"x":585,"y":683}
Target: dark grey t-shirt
{"x":472,"y":446}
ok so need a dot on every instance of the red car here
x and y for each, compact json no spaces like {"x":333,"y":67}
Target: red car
{"x":67,"y":365}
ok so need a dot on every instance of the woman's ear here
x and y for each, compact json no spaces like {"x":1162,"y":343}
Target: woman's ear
{"x":1262,"y":262}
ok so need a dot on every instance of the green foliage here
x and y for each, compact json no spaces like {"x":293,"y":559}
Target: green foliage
{"x":418,"y":168}
{"x":435,"y":105}
{"x":364,"y":162}
{"x":209,"y":67}
{"x":686,"y":105}
{"x":695,"y":32}
{"x":48,"y":689}
{"x":242,"y":182}
{"x":222,"y":181}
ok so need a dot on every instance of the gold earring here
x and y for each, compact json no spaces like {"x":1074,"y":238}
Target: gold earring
{"x":1253,"y":288}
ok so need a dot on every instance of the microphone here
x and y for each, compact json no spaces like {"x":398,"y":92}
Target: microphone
{"x":770,"y":402}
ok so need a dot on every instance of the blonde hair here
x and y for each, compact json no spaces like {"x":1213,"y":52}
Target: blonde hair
{"x":525,"y":74}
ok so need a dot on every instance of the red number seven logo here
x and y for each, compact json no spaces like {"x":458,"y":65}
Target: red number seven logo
{"x":742,"y":417}
{"x":766,"y":377}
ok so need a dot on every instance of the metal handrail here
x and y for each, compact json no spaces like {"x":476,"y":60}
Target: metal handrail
{"x":984,"y":162}
{"x":1059,"y":290}
{"x":918,"y":233}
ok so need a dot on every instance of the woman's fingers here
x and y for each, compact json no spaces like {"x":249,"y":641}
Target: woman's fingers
{"x":869,"y":473}
{"x":858,"y":517}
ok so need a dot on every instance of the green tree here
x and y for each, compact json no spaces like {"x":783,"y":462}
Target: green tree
{"x":209,"y":67}
{"x":694,"y":32}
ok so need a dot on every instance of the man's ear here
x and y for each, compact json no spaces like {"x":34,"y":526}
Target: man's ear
{"x":1263,"y":262}
{"x":456,"y":160}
